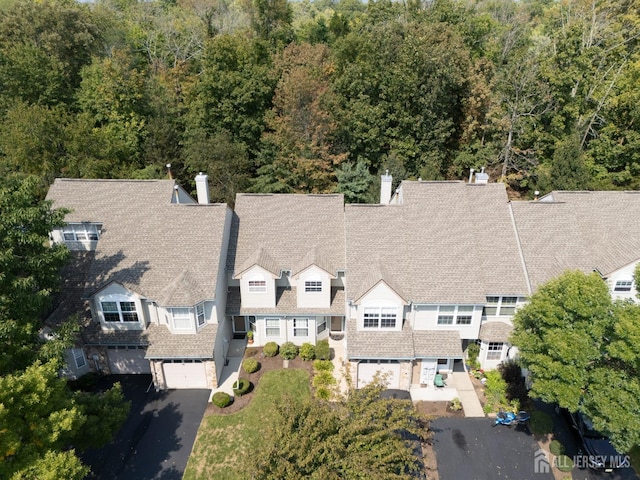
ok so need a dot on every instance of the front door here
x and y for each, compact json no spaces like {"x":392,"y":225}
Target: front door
{"x":239,"y":325}
{"x":428,"y":371}
{"x":336,"y":324}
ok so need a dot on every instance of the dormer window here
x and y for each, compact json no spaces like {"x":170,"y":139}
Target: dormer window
{"x":182,"y":319}
{"x":313,"y":286}
{"x":257,"y":285}
{"x":77,"y":232}
{"x":380,"y":317}
{"x":119,"y":311}
{"x":200,"y":315}
{"x":623,"y":286}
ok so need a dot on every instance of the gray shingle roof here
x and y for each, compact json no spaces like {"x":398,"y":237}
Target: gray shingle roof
{"x":166,"y":252}
{"x":404,"y":344}
{"x":164,"y":344}
{"x":287,"y":227}
{"x":446,"y":242}
{"x":578,"y":230}
{"x":495,"y":331}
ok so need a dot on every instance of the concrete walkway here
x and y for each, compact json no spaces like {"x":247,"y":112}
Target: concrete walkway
{"x":467,"y":395}
{"x":339,"y":362}
{"x":231,"y":370}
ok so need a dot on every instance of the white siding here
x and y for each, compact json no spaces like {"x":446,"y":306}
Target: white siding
{"x":624,"y":274}
{"x":117,"y":293}
{"x":314,"y":299}
{"x":425,"y":317}
{"x":380,"y":296}
{"x":255,"y":299}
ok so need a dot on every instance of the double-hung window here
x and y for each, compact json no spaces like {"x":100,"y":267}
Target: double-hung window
{"x":465,"y":315}
{"x":182,"y":319}
{"x":300,"y":327}
{"x":78,"y":356}
{"x":321,"y":326}
{"x":380,"y":317}
{"x":75,"y":232}
{"x":623,"y":286}
{"x":119,"y":311}
{"x":272,"y":327}
{"x":503,"y":306}
{"x":494,"y":351}
{"x":200,"y":314}
{"x":455,"y":314}
{"x":446,"y":314}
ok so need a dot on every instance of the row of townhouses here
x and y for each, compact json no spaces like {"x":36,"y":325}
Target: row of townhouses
{"x":162,"y":283}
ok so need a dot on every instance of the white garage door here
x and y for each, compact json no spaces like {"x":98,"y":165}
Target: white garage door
{"x":128,"y":360}
{"x":185,"y":374}
{"x":368,"y":368}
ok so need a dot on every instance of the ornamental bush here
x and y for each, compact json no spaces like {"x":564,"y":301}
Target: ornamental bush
{"x":556,"y":448}
{"x":323,"y":393}
{"x":270,"y":349}
{"x":250,"y":365}
{"x":323,"y":379}
{"x":241,"y":387}
{"x":323,"y":365}
{"x":221,"y":399}
{"x":307,"y":351}
{"x":288,"y":351}
{"x":323,"y":352}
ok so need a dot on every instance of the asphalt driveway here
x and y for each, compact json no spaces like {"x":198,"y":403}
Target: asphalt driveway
{"x":471,"y":448}
{"x":156,"y":440}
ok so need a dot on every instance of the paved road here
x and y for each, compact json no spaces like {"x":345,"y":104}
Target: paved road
{"x":156,"y":440}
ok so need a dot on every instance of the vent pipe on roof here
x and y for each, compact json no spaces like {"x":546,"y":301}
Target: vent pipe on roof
{"x":385,"y":188}
{"x":169,"y":171}
{"x":177,"y":194}
{"x":202,"y":188}
{"x":471,"y":175}
{"x":536,"y":194}
{"x":481,"y":177}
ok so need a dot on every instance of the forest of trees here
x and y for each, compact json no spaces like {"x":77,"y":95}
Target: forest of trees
{"x":322,"y":96}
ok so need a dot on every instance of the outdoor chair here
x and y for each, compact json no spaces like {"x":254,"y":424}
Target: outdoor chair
{"x":438,"y":381}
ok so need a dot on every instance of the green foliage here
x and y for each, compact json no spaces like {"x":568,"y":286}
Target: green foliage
{"x":455,"y":405}
{"x":323,"y":365}
{"x":540,"y":423}
{"x":221,"y":399}
{"x":270,"y":349}
{"x":250,"y":365}
{"x":495,"y":390}
{"x":323,"y":352}
{"x":313,"y":440}
{"x":241,"y":387}
{"x":41,"y":417}
{"x":473,"y":350}
{"x":289,"y":351}
{"x":564,"y":463}
{"x":577,"y":344}
{"x":323,"y":393}
{"x":307,"y":351}
{"x":323,"y":378}
{"x":29,"y":268}
{"x":556,"y":448}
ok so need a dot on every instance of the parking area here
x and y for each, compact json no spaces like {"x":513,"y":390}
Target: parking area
{"x":157,"y":437}
{"x":472,"y":448}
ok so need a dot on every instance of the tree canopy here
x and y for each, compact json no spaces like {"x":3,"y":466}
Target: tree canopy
{"x":277,"y":96}
{"x":582,"y":352}
{"x":359,"y":436}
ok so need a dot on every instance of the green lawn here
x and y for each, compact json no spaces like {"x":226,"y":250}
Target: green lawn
{"x":224,"y":441}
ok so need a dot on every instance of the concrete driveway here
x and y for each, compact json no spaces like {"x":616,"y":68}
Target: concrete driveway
{"x":156,"y":440}
{"x":472,"y":449}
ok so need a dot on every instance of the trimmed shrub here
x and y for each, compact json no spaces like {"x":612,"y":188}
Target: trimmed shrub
{"x":473,"y":350}
{"x":307,"y":351}
{"x":556,"y":447}
{"x":251,"y":352}
{"x":323,"y":352}
{"x":323,"y":365}
{"x":250,"y":365}
{"x":221,"y":399}
{"x":564,"y":463}
{"x":540,"y":423}
{"x":323,"y":379}
{"x":270,"y":349}
{"x":323,"y":393}
{"x":288,"y":351}
{"x":455,"y":404}
{"x":241,"y":387}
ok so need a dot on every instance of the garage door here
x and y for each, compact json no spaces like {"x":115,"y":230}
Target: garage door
{"x":368,"y":368}
{"x":130,"y":359}
{"x":185,"y":374}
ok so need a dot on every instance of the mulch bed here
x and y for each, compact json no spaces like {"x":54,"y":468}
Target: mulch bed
{"x":266,"y":364}
{"x":437,"y":409}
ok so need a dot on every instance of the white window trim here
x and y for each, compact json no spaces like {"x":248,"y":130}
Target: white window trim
{"x":118,"y":302}
{"x":455,"y":314}
{"x":624,"y":285}
{"x":81,"y":232}
{"x":313,"y":286}
{"x":182,"y":317}
{"x":381,"y":313}
{"x":267,"y":327}
{"x":297,"y":327}
{"x":321,"y":325}
{"x":259,"y":285}
{"x":500,"y":304}
{"x":78,"y":354}
{"x":201,"y":315}
{"x":491,"y":352}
